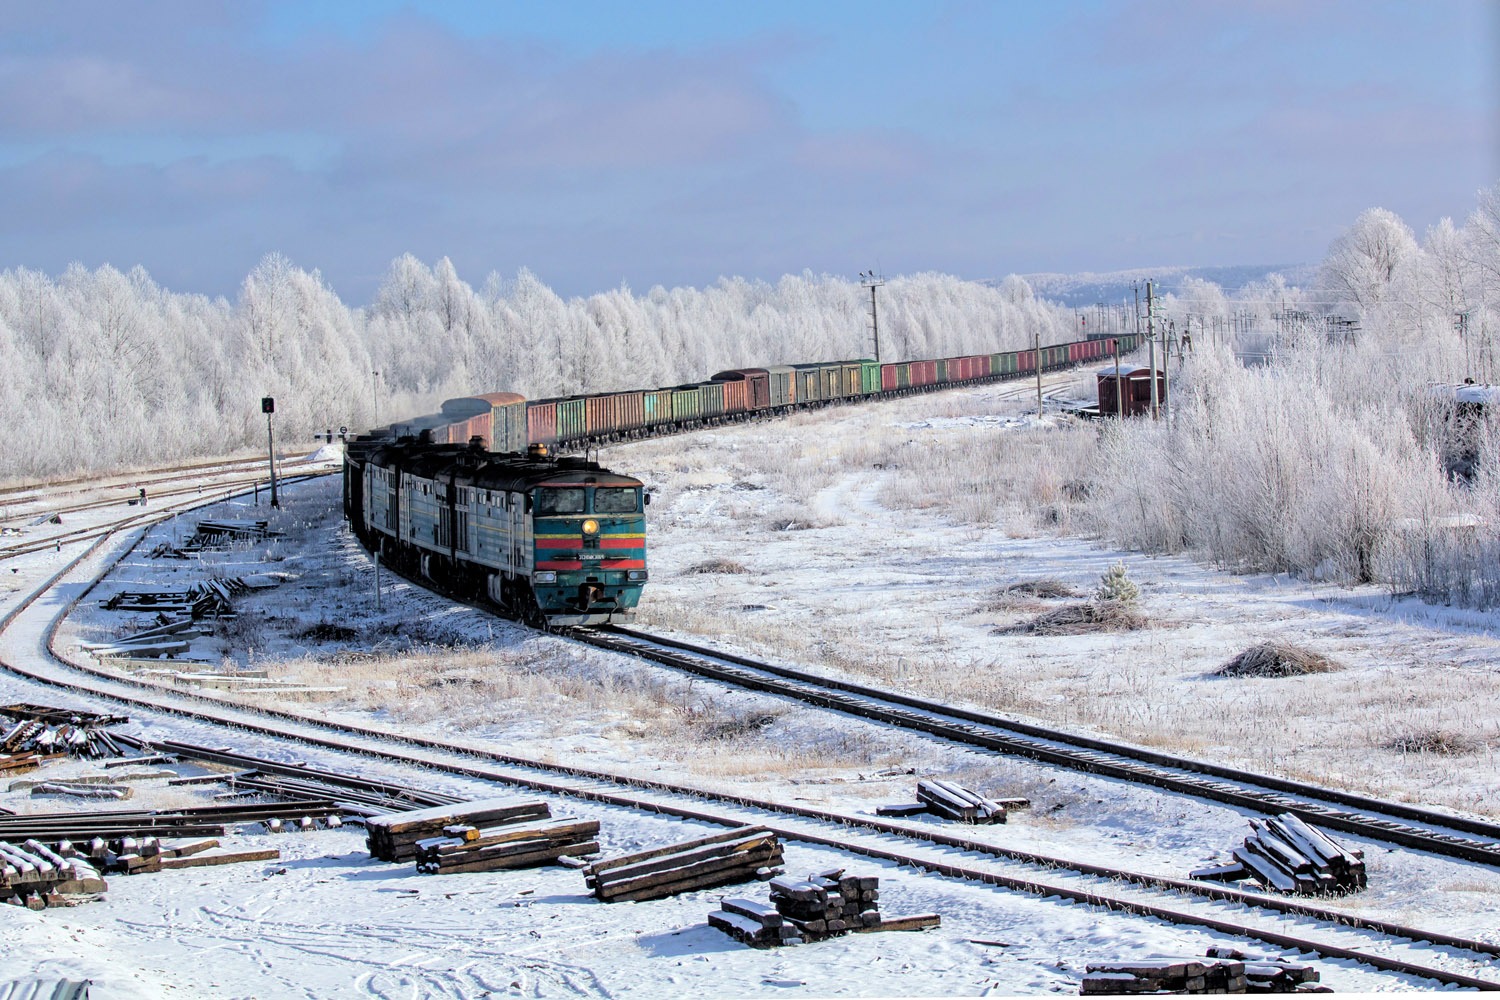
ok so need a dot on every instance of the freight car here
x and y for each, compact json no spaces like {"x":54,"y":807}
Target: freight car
{"x":559,"y":542}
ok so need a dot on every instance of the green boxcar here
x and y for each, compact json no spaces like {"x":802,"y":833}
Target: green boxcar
{"x":687,"y":403}
{"x":809,"y":383}
{"x":711,"y":396}
{"x":869,"y":375}
{"x":942,"y":369}
{"x":572,"y":419}
{"x":783,"y":382}
{"x":849,"y":380}
{"x":658,"y":405}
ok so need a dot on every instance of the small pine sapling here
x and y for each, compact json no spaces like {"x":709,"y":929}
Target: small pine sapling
{"x":1115,"y":586}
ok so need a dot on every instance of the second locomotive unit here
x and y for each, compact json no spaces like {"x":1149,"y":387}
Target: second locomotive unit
{"x":560,"y":542}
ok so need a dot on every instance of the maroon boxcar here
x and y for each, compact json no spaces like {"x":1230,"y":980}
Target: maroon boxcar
{"x":756,"y":380}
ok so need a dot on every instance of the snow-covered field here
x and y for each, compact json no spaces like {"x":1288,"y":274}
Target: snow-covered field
{"x":853,"y":540}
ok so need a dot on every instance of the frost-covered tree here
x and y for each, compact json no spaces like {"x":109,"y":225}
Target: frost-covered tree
{"x":1365,"y":262}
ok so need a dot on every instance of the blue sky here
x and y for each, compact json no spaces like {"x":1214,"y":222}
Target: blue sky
{"x":672,"y":143}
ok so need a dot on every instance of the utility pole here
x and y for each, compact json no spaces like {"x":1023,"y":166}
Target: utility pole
{"x":268,"y":407}
{"x":1151,"y":344}
{"x":1119,"y":389}
{"x":375,"y":395}
{"x":869,"y":279}
{"x":1038,"y":362}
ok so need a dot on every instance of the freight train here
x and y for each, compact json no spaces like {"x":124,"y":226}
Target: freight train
{"x":473,"y":498}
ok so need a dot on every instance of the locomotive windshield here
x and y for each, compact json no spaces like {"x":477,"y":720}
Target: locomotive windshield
{"x":616,"y":500}
{"x":559,"y":501}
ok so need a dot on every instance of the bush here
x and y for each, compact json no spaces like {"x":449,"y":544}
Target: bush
{"x":1081,"y":619}
{"x":1275,"y":659}
{"x":1115,"y":585}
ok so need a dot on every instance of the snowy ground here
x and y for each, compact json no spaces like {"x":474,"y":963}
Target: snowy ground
{"x":844,"y":567}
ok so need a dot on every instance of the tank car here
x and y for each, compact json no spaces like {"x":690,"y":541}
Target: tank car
{"x":555,"y":541}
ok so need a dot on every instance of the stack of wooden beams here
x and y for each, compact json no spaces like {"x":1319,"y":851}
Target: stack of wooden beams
{"x":1224,"y":970}
{"x":1285,"y":854}
{"x":758,"y":925}
{"x":828,"y":904}
{"x":744,"y":854}
{"x":136,"y":856}
{"x":953,"y":801}
{"x":34,"y":875}
{"x":520,"y":845}
{"x":821,"y":906}
{"x":394,"y":837}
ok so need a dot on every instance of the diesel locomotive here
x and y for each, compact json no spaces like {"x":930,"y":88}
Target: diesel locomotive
{"x":551,"y":541}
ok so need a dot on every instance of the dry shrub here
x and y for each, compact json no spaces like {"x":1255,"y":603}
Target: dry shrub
{"x":1028,"y":596}
{"x":1277,"y":659}
{"x":329,"y":632}
{"x":728,"y":566}
{"x":1046,"y":589}
{"x":1081,"y":619}
{"x":1443,"y":742}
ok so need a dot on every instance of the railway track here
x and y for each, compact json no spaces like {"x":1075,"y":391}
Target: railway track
{"x":1389,"y":947}
{"x":168,"y":501}
{"x":1390,"y":822}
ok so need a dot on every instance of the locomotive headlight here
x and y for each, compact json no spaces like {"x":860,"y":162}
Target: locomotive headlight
{"x":591,"y":527}
{"x":544,"y":576}
{"x":635,"y":575}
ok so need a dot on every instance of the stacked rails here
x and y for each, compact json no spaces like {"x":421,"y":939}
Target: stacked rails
{"x":36,"y":876}
{"x":394,"y":837}
{"x":744,"y":854}
{"x":43,"y":733}
{"x":196,"y":821}
{"x":520,"y":845}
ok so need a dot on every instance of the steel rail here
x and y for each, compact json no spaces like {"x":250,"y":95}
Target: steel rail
{"x":1218,"y":784}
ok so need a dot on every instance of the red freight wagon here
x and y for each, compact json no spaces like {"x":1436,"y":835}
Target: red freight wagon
{"x":923,"y":372}
{"x":541,"y":421}
{"x":735,"y":395}
{"x":756,"y":380}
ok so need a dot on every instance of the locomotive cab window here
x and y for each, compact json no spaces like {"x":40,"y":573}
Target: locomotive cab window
{"x":559,"y":501}
{"x":616,"y":500}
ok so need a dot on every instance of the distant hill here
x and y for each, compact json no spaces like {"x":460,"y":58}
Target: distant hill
{"x":1086,"y":288}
